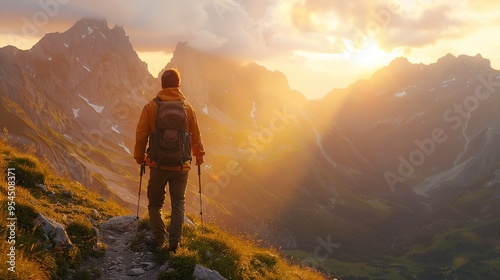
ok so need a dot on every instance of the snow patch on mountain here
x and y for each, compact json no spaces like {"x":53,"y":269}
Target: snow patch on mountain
{"x":446,"y":83}
{"x":122,"y":144}
{"x":449,"y":80}
{"x":85,"y":67}
{"x":205,"y":109}
{"x":97,"y":108}
{"x":115,"y":129}
{"x":89,"y":31}
{"x":401,"y":94}
{"x":75,"y":112}
{"x":103,"y":35}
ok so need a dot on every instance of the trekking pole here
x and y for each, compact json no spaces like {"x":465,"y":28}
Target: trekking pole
{"x":143,"y":170}
{"x":201,"y":206}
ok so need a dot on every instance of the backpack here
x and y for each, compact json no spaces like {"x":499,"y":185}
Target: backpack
{"x":170,"y":144}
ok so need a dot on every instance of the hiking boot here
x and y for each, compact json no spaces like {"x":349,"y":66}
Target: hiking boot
{"x":152,"y":245}
{"x":172,"y":249}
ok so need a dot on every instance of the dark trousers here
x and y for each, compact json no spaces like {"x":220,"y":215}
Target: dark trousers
{"x":177,"y":182}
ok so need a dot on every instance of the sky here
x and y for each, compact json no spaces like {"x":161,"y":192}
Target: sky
{"x":318,"y":44}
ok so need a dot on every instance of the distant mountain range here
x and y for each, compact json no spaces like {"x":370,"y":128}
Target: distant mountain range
{"x":381,"y":172}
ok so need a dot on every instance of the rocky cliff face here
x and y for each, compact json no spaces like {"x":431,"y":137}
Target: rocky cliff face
{"x":77,"y":96}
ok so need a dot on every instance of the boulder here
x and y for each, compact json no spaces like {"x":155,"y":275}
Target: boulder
{"x":67,"y":195}
{"x":42,"y":187}
{"x":189,"y":222}
{"x":203,"y":273}
{"x":120,"y":224}
{"x":55,"y":232}
{"x":136,"y":271}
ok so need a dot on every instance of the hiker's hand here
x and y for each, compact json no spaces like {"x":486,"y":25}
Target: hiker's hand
{"x":199,"y":160}
{"x":140,"y":160}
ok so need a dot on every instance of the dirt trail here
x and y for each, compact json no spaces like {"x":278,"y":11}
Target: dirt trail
{"x":122,"y":263}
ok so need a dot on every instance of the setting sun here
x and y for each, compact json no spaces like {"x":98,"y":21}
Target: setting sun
{"x":371,"y":56}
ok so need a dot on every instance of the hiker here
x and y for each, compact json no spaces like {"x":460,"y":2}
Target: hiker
{"x":175,"y":175}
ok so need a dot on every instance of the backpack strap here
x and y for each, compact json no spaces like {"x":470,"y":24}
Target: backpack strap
{"x":157,"y":101}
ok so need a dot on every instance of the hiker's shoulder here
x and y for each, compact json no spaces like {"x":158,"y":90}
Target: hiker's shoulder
{"x":188,"y":105}
{"x":150,"y":105}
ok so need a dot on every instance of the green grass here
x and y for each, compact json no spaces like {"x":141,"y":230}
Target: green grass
{"x":183,"y":262}
{"x":35,"y":258}
{"x":232,"y":256}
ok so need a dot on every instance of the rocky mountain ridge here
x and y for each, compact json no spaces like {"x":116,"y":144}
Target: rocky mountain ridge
{"x":76,"y":97}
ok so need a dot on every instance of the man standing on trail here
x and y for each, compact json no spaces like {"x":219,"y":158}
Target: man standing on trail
{"x":176,"y":176}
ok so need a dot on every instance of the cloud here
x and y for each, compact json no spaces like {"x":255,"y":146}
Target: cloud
{"x":260,"y":29}
{"x":390,"y":23}
{"x":250,"y":29}
{"x":236,"y":28}
{"x":151,"y":25}
{"x":435,"y":23}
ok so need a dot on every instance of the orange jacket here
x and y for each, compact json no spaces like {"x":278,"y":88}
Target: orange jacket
{"x":146,"y":126}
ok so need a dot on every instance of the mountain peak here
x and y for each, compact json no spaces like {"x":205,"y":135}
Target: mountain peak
{"x":85,"y":33}
{"x":100,"y":23}
{"x":400,"y":60}
{"x":87,"y":26}
{"x":478,"y":59}
{"x":447,"y":57}
{"x":399,"y":63}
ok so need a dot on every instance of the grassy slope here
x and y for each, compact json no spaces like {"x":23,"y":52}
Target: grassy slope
{"x":70,"y":205}
{"x":233,"y":257}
